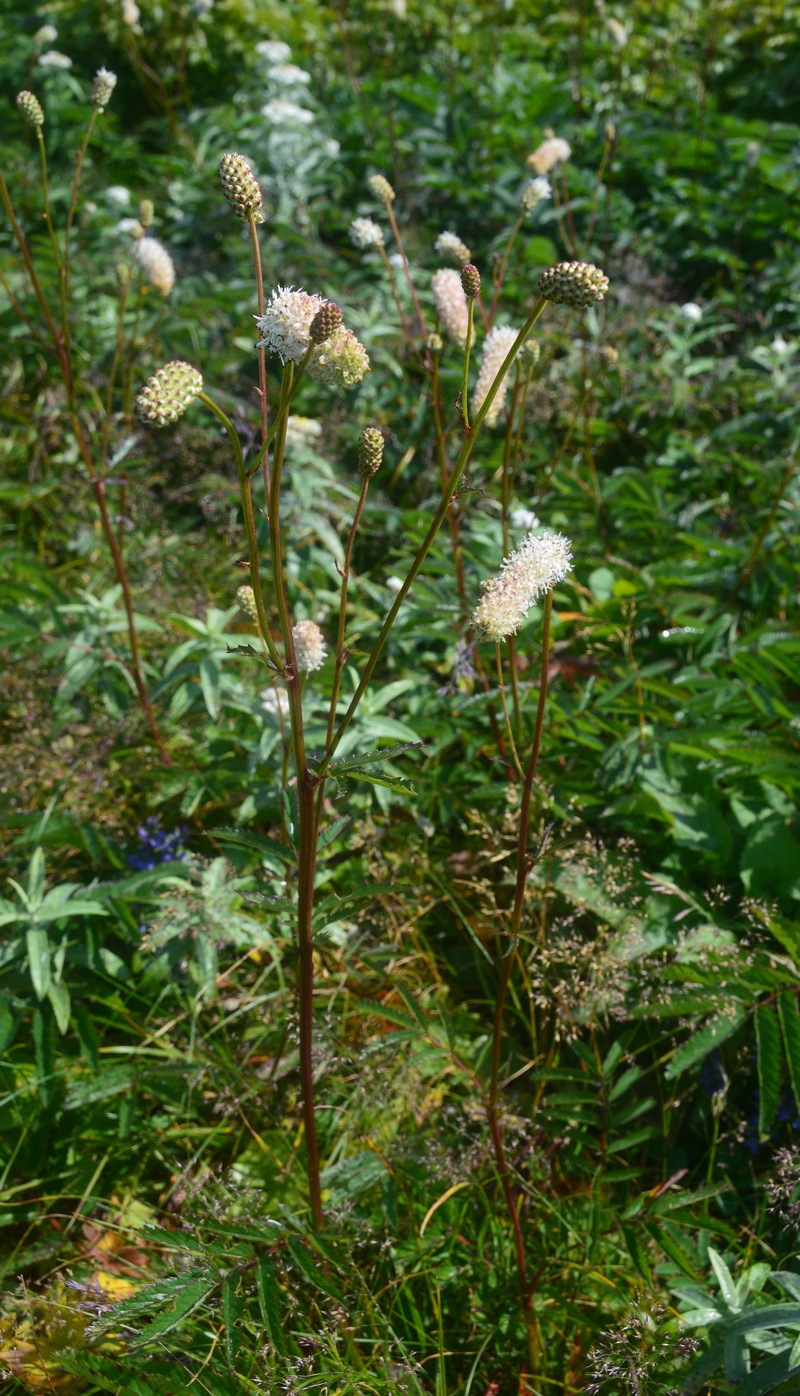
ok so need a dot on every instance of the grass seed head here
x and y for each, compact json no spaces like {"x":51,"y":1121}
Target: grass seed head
{"x":365,"y":233}
{"x":538,"y":564}
{"x":156,"y":264}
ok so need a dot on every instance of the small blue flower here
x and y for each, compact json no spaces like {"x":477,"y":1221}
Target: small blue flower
{"x":156,"y":845}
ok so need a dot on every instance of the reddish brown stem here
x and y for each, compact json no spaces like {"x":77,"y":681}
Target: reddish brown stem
{"x":524,"y":865}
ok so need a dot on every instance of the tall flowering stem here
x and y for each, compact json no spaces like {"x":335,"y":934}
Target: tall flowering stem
{"x":307,"y":831}
{"x":524,"y":866}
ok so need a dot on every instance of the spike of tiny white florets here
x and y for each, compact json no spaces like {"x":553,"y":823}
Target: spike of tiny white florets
{"x":534,"y":193}
{"x":539,"y":563}
{"x":450,"y":246}
{"x":496,"y":346}
{"x":156,"y":264}
{"x":102,"y":88}
{"x":364,"y":232}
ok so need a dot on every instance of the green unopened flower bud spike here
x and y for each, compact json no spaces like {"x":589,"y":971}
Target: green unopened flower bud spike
{"x":578,"y":284}
{"x":240,"y":187}
{"x":30,"y":108}
{"x":167,"y":394}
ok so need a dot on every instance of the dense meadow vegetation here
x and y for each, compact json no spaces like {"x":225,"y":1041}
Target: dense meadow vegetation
{"x":396,"y":996}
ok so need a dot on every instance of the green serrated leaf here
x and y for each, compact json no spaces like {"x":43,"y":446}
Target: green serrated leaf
{"x":232,"y":1310}
{"x":58,"y":996}
{"x":790,"y":1025}
{"x":261,"y":843}
{"x":311,"y":1271}
{"x":705,"y":1040}
{"x":269,"y":1300}
{"x":187,"y":1301}
{"x":38,"y":946}
{"x":727,"y":1288}
{"x":768,"y":1040}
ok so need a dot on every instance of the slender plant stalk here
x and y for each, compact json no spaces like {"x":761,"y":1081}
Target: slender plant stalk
{"x":401,"y":250}
{"x":501,"y":270}
{"x":341,"y":653}
{"x":284,"y":403}
{"x":409,"y":333}
{"x":306,"y":783}
{"x":509,"y":728}
{"x":307,"y":833}
{"x":524,"y":865}
{"x":46,"y":198}
{"x":250,"y":528}
{"x":340,"y":650}
{"x":465,"y":373}
{"x":462,"y":460}
{"x":262,"y":358}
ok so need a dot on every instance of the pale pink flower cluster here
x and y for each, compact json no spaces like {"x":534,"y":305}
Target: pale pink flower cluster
{"x":309,"y":646}
{"x":451,"y":303}
{"x":496,"y":346}
{"x":551,"y":152}
{"x":285,"y":330}
{"x":538,"y":564}
{"x":156,"y":264}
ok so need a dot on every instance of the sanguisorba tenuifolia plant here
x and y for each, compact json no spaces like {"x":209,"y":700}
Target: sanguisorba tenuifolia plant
{"x":307,"y":334}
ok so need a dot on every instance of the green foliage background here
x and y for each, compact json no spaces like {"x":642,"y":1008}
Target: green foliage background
{"x":150,"y":1140}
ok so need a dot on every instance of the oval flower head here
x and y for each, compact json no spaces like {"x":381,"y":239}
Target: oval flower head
{"x":538,"y":564}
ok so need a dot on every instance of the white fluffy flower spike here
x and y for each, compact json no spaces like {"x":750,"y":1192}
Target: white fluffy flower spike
{"x":539,"y":563}
{"x":156,"y":264}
